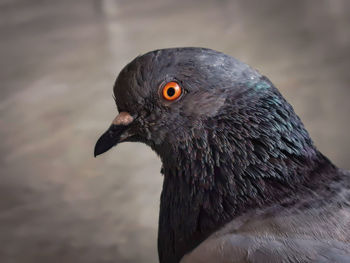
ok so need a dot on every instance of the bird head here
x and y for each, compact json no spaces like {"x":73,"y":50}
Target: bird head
{"x":203,"y":102}
{"x":166,"y":96}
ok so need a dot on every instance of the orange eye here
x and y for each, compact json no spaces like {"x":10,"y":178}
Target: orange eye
{"x":171,"y":91}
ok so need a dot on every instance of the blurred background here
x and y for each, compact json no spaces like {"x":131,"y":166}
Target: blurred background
{"x":58,"y":62}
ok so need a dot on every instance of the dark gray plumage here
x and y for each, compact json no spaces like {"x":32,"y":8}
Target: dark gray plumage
{"x":243,"y":181}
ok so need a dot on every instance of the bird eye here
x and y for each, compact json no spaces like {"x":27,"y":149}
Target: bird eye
{"x":171,"y":91}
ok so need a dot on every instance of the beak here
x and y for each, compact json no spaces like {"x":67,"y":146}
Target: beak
{"x":115,"y":134}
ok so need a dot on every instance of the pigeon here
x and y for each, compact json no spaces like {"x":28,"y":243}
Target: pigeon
{"x":243,"y":181}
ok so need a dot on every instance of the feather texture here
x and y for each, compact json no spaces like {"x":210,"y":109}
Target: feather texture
{"x":243,"y":181}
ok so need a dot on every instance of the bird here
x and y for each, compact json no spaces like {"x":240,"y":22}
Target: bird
{"x":243,"y":180}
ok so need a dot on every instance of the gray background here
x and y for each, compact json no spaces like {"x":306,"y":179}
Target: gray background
{"x":58,"y":62}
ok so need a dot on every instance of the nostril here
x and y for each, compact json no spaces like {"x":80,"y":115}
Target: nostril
{"x":123,"y":118}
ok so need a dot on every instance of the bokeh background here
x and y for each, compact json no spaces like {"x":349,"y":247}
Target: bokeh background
{"x":58,"y":62}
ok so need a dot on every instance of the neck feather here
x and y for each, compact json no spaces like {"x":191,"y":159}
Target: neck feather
{"x":245,"y":158}
{"x":198,"y":198}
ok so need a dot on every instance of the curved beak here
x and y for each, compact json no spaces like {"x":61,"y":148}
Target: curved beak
{"x":115,"y":134}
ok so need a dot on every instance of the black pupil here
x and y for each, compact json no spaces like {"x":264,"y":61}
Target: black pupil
{"x":171,"y":92}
